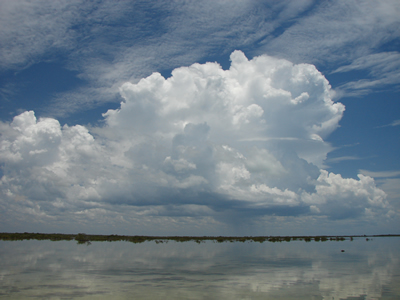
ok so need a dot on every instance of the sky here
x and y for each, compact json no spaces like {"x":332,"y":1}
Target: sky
{"x":240,"y":117}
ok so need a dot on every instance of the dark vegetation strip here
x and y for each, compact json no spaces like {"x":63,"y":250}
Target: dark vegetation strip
{"x":82,"y":238}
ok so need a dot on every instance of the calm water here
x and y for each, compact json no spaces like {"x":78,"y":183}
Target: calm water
{"x":123,"y":270}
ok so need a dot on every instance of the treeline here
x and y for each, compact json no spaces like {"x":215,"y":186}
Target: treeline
{"x":82,"y":238}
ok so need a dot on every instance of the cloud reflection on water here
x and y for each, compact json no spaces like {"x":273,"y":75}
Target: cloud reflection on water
{"x":196,"y":271}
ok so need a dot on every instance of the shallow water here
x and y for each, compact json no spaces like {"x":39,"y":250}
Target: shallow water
{"x":123,"y":270}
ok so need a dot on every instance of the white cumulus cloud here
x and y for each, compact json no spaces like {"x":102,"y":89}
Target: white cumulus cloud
{"x":198,"y":144}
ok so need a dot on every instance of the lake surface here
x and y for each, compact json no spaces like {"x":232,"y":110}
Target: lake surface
{"x":210,"y":270}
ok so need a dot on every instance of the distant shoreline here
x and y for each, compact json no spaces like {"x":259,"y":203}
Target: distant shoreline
{"x":83,"y":238}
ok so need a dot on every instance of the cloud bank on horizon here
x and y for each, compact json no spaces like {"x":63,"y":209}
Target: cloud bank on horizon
{"x":203,"y":147}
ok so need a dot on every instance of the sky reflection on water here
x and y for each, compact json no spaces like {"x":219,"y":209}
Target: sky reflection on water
{"x":122,"y":270}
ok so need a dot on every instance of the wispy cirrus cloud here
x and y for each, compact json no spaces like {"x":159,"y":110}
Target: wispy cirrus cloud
{"x":109,"y":43}
{"x":383,"y":69}
{"x":349,"y":34}
{"x":29,"y":30}
{"x":337,"y":32}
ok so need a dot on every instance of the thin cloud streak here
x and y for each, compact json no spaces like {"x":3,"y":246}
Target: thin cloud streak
{"x":342,"y":158}
{"x":393,"y":124}
{"x":380,"y":174}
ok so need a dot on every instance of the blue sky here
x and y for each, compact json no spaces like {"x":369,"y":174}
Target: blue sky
{"x":200,"y":117}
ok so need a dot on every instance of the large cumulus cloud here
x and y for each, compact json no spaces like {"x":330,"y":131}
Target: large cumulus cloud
{"x":204,"y":142}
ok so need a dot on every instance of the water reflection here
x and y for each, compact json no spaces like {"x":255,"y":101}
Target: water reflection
{"x":121,"y":270}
